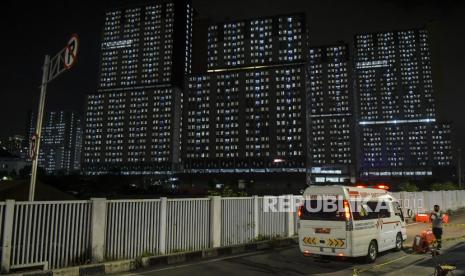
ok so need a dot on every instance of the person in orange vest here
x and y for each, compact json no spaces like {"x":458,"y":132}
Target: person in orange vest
{"x":436,"y":220}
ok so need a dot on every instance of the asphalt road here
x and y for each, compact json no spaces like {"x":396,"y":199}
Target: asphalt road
{"x":289,"y":261}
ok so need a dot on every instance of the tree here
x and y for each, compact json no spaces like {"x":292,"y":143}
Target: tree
{"x":3,"y":173}
{"x":448,"y":186}
{"x":227,"y":191}
{"x":408,"y":187}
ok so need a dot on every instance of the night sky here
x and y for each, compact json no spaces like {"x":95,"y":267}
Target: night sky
{"x":29,"y":32}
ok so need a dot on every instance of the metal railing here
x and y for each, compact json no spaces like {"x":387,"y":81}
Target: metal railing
{"x":187,"y":224}
{"x":271,"y":224}
{"x":132,"y":228}
{"x":50,"y":234}
{"x":237,"y":220}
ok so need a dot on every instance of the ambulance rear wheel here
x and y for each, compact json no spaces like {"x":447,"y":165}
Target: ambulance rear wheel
{"x":399,"y":242}
{"x":372,"y":252}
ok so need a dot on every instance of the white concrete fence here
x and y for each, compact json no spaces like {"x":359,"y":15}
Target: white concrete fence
{"x":57,"y":234}
{"x":423,"y":202}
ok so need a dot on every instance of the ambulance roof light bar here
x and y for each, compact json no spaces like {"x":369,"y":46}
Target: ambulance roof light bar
{"x":382,"y":187}
{"x":379,"y":186}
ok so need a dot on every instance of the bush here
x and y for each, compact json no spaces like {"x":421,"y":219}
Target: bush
{"x":226,"y":192}
{"x":448,"y":186}
{"x":408,"y":187}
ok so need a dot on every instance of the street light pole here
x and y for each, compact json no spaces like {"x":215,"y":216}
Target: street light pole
{"x":40,"y":115}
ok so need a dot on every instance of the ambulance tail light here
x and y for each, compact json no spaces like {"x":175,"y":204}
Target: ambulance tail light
{"x":348,"y":216}
{"x":347,"y":210}
{"x":299,"y":211}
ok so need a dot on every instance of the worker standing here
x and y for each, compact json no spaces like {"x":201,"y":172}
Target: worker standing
{"x":436,"y":220}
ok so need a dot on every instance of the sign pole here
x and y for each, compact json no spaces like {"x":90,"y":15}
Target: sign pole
{"x":40,"y":115}
{"x":61,"y":62}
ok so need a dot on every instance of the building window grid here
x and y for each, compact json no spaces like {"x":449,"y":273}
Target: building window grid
{"x":257,"y":113}
{"x":161,"y":128}
{"x":198,"y":120}
{"x":227,"y":119}
{"x":288,"y":112}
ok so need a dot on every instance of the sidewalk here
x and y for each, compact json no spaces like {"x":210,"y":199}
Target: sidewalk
{"x":448,"y":232}
{"x":453,"y":253}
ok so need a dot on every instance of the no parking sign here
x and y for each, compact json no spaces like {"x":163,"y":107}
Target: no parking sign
{"x":71,"y":50}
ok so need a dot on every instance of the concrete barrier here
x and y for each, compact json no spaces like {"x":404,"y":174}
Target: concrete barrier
{"x":154,"y":261}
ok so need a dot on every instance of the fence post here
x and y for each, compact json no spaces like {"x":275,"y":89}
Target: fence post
{"x":457,"y":200}
{"x":460,"y":202}
{"x":451,"y":199}
{"x":162,"y":230}
{"x":291,"y":217}
{"x":401,"y":200}
{"x":7,"y":235}
{"x":215,"y":221}
{"x":426,"y":201}
{"x":98,"y":225}
{"x":444,"y":203}
{"x":256,"y":219}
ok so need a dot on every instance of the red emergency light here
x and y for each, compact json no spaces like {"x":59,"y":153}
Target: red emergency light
{"x":382,"y":187}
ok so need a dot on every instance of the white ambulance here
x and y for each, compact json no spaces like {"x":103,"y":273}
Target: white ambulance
{"x":367,"y":221}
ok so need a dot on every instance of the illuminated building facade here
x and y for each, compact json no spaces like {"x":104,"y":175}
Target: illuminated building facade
{"x":257,"y":42}
{"x":133,"y":121}
{"x":331,"y":111}
{"x":247,"y":113}
{"x":60,"y":146}
{"x":399,"y":132}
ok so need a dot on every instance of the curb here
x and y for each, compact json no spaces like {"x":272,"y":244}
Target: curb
{"x":215,"y":252}
{"x":163,"y":260}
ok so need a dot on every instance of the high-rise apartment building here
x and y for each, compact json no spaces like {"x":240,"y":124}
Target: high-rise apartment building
{"x":60,"y":145}
{"x":133,"y":121}
{"x":331,"y":112}
{"x":399,"y":132}
{"x":146,"y":45}
{"x":247,"y":113}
